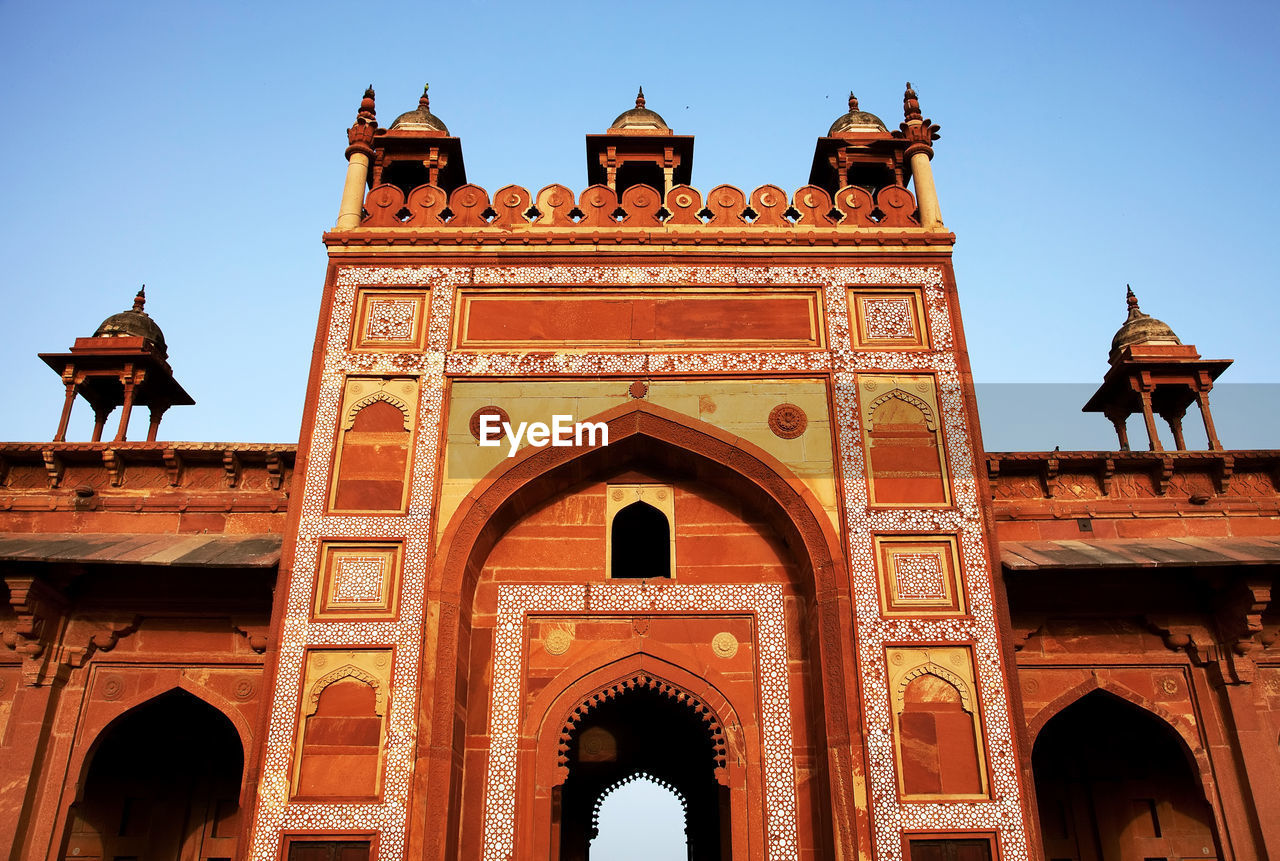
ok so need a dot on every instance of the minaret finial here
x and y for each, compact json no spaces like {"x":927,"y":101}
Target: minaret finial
{"x":911,"y":105}
{"x":640,"y":98}
{"x":425,"y":101}
{"x":853,"y":102}
{"x":140,"y":300}
{"x":366,"y":113}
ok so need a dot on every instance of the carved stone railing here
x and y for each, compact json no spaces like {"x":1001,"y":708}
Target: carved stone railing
{"x":725,"y":207}
{"x":1196,"y":478}
{"x":91,"y":468}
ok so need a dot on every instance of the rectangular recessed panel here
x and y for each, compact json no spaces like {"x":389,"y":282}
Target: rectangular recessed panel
{"x":608,"y":317}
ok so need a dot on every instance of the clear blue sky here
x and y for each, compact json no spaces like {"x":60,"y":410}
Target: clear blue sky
{"x":198,"y":147}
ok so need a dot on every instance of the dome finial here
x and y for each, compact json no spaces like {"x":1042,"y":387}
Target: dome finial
{"x":425,"y":101}
{"x":853,"y":101}
{"x":140,"y":300}
{"x":1131,"y":299}
{"x":640,"y":98}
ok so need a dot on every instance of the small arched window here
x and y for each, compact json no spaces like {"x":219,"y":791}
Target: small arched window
{"x":640,"y":541}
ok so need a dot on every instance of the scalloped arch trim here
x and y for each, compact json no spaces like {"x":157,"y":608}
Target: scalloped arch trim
{"x":348,"y":671}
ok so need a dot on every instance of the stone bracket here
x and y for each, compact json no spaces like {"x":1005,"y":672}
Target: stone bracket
{"x":53,"y":466}
{"x":1022,"y":634}
{"x":1049,"y":476}
{"x":98,"y":635}
{"x":1222,"y":474}
{"x":114,"y":463}
{"x":255,"y":634}
{"x":39,"y":608}
{"x":1107,"y":472}
{"x":275,"y":470}
{"x":1162,"y":474}
{"x":231,"y":467}
{"x":173,"y":465}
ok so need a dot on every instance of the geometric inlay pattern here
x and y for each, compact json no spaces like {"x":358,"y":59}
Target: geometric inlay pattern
{"x":390,"y":320}
{"x":359,"y":579}
{"x":889,"y":318}
{"x":920,"y":575}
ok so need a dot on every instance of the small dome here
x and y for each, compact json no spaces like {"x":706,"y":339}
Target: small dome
{"x":420,"y":119}
{"x":1140,"y":328}
{"x":134,"y":323}
{"x":639,"y":119}
{"x":856,"y":121}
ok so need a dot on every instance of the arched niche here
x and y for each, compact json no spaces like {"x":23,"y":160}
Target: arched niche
{"x":1115,"y":778}
{"x":163,"y":780}
{"x":372,"y":458}
{"x":641,"y":437}
{"x":342,"y":736}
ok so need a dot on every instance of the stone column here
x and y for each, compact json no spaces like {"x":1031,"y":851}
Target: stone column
{"x":126,"y":409}
{"x":1202,"y":396}
{"x":1118,"y":420}
{"x":1150,"y":419}
{"x":349,"y":212}
{"x":61,"y":435}
{"x":1174,"y":420}
{"x":359,"y":151}
{"x":922,"y":133}
{"x":926,"y":192}
{"x":100,"y":416}
{"x":157,"y":413}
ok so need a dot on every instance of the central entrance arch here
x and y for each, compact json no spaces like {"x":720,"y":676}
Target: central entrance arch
{"x":800,"y":567}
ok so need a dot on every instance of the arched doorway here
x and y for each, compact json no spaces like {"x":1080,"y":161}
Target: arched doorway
{"x":643,"y":727}
{"x":163,"y":782}
{"x":1116,"y":783}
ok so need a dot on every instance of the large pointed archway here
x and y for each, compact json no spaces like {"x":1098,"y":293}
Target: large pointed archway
{"x":642,"y":437}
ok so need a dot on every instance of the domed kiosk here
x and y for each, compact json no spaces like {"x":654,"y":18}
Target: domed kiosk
{"x":639,"y":149}
{"x":1154,"y":373}
{"x":125,"y":363}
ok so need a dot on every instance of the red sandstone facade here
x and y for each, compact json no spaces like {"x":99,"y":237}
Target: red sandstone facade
{"x":791,"y":587}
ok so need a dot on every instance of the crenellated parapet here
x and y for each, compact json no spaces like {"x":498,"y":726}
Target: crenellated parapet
{"x":725,"y":210}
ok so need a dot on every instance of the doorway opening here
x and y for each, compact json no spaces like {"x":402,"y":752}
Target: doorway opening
{"x":638,"y":734}
{"x":639,"y":819}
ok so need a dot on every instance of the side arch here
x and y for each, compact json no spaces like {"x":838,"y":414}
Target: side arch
{"x":1191,"y":741}
{"x":1066,"y":731}
{"x":83,"y":757}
